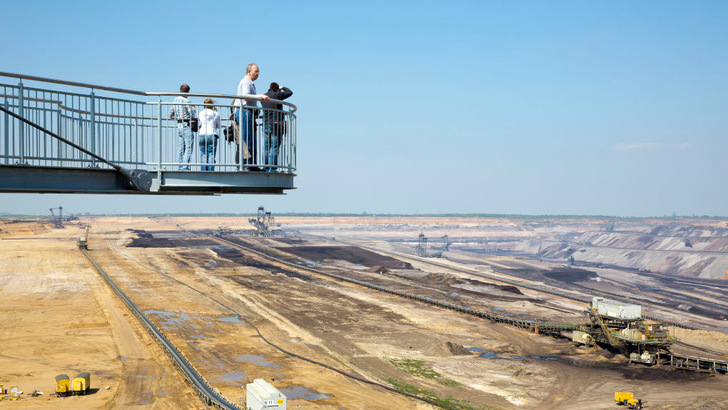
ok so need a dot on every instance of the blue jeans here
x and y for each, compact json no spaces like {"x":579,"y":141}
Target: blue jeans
{"x":270,"y":147}
{"x":208,"y":147}
{"x":184,"y":148}
{"x":247,"y":133}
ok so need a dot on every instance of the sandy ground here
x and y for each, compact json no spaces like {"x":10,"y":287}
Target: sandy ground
{"x":59,"y":317}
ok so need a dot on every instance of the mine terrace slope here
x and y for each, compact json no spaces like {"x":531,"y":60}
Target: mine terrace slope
{"x":198,"y":291}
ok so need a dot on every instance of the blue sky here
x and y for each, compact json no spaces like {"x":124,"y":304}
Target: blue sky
{"x":518,"y":107}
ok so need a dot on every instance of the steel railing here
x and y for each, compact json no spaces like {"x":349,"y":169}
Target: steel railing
{"x":131,"y":129}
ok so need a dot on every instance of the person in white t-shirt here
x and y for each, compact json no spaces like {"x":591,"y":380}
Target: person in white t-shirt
{"x":209,"y":133}
{"x":246,"y":88}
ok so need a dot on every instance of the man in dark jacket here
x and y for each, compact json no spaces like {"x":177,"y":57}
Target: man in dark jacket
{"x":274,"y":124}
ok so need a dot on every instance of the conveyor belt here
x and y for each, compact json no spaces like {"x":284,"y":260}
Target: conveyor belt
{"x":203,"y":389}
{"x":678,"y":361}
{"x":196,"y":380}
{"x":543,"y":327}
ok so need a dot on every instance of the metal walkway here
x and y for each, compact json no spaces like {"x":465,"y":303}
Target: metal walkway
{"x":84,"y":138}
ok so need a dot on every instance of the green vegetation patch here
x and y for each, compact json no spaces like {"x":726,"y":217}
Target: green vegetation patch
{"x":447,"y":382}
{"x":419,"y":369}
{"x":415,"y":368}
{"x":432,"y":396}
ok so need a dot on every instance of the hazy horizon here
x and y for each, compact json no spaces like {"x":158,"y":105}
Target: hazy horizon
{"x":364,"y":214}
{"x":528,"y":108}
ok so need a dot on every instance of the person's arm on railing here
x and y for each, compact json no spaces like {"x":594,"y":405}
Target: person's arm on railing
{"x":245,"y":90}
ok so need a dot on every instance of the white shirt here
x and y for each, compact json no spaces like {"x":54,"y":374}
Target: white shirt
{"x":246,"y":88}
{"x":209,"y":122}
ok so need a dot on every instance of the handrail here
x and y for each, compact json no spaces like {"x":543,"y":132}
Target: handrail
{"x":231,"y":96}
{"x":72,"y":83}
{"x":145,"y":93}
{"x":61,"y":106}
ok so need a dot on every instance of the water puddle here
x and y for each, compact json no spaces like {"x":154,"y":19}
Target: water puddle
{"x":187,"y":324}
{"x":169,"y":319}
{"x":485,"y":353}
{"x":493,"y":355}
{"x":146,"y":399}
{"x":257,"y":361}
{"x":234,"y":378}
{"x":230,"y":319}
{"x":145,"y":377}
{"x":296,"y":392}
{"x":312,"y":264}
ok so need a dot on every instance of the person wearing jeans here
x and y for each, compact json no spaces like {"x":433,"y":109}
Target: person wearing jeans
{"x":270,"y":147}
{"x":184,"y":112}
{"x":246,"y":88}
{"x":209,"y":134}
{"x":184,"y":146}
{"x":273,"y":124}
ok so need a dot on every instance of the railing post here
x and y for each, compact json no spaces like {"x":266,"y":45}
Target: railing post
{"x":241,"y":155}
{"x":159,"y":131}
{"x":135,"y":134}
{"x":92,"y":110}
{"x":291,"y":133}
{"x":7,"y":133}
{"x":21,"y":141}
{"x":60,"y":133}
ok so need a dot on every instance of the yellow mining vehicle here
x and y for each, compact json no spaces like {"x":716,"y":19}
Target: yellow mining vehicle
{"x":63,"y":385}
{"x":627,"y":399}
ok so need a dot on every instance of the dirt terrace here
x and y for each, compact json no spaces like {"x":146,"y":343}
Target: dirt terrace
{"x":60,"y":318}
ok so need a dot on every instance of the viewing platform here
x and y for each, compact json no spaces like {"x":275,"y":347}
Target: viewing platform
{"x":67,"y":137}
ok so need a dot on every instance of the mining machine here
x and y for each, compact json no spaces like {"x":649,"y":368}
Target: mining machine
{"x":262,"y":223}
{"x":447,"y":243}
{"x":82,"y":242}
{"x":223,"y":231}
{"x":421,"y":248}
{"x":623,"y":327}
{"x":57,"y":220}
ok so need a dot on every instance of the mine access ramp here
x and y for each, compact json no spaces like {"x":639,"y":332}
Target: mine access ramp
{"x":67,"y":137}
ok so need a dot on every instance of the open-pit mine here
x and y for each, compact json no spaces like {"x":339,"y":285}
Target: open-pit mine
{"x":365,"y":312}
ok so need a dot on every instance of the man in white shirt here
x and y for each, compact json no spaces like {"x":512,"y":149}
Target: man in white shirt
{"x":246,"y":88}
